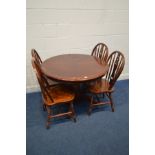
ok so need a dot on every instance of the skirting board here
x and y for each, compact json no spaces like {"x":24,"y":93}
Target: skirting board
{"x":36,"y":88}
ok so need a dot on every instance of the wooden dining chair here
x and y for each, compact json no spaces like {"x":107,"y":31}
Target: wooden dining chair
{"x":36,"y":56}
{"x":116,"y":62}
{"x":100,"y":51}
{"x":54,"y":95}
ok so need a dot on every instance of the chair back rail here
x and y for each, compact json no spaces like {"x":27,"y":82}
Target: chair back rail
{"x":44,"y":85}
{"x":36,"y":56}
{"x":116,"y":62}
{"x":100,"y":51}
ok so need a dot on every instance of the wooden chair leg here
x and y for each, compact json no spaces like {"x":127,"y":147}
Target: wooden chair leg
{"x":90,"y":106}
{"x":73,"y":115}
{"x":48,"y":117}
{"x":111,"y":102}
{"x":44,"y":107}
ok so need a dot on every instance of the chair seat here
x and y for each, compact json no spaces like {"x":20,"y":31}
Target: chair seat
{"x":101,"y":86}
{"x":60,"y":94}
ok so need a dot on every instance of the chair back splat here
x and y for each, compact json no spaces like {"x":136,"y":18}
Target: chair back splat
{"x":100,"y":51}
{"x":116,"y":62}
{"x":44,"y":85}
{"x":36,"y":56}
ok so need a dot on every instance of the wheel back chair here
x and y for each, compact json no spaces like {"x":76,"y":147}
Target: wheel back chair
{"x":116,"y":62}
{"x":54,"y":95}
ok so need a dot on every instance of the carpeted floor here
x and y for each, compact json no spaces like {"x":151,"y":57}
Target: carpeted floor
{"x":102,"y":133}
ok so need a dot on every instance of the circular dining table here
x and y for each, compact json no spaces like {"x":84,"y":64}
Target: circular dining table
{"x":74,"y":68}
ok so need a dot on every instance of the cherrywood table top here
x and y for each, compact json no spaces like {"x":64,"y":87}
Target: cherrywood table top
{"x":74,"y":68}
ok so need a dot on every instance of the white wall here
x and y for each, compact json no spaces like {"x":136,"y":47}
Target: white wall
{"x":75,"y":26}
